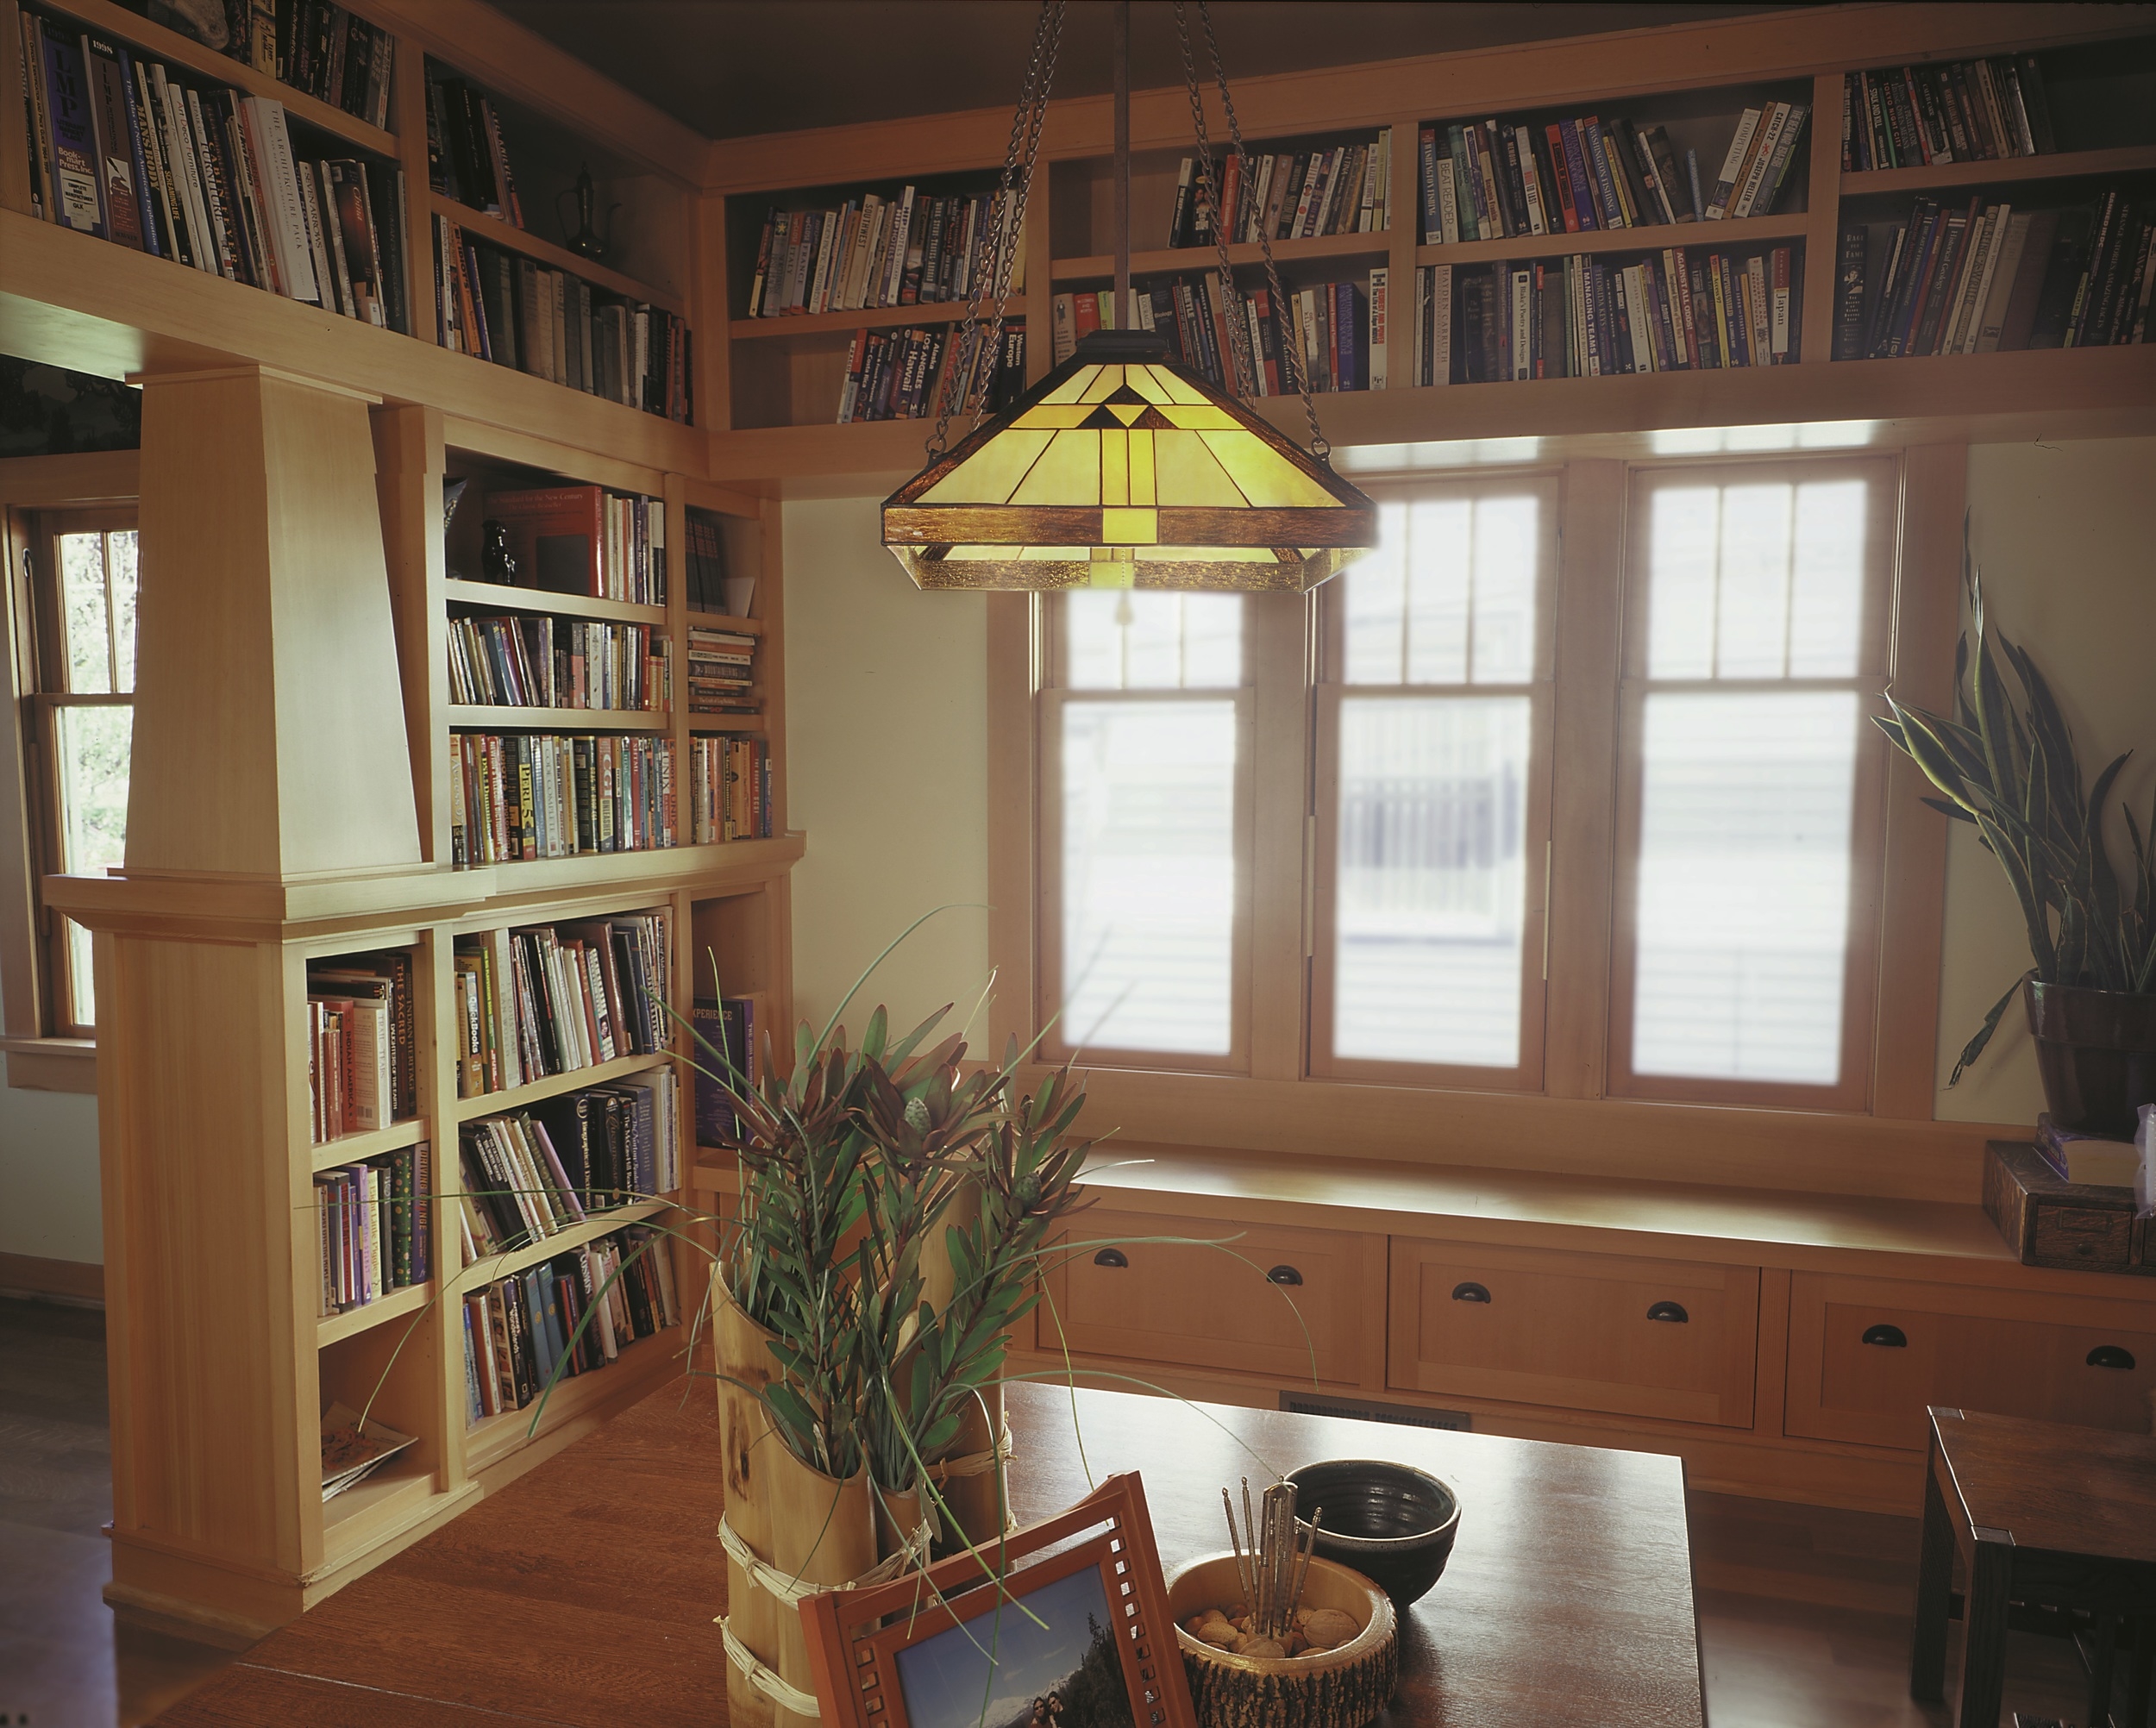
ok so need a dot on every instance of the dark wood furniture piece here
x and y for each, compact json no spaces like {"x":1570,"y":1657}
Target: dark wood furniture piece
{"x":2042,"y":1515}
{"x":583,"y":1592}
{"x":2048,"y":1221}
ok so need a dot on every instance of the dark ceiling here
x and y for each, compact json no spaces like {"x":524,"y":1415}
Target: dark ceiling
{"x":732,"y":67}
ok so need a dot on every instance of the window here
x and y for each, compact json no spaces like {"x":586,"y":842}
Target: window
{"x":82,"y":587}
{"x":1319,"y":839}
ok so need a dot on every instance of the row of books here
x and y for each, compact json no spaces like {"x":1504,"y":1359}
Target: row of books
{"x":574,"y":1314}
{"x":504,"y":308}
{"x":1676,"y":310}
{"x":705,"y":557}
{"x":362,"y":1068}
{"x":520,"y":796}
{"x":121,"y":148}
{"x":524,"y":660}
{"x":721,"y":670}
{"x":1489,"y":180}
{"x":911,"y":249}
{"x":315,"y":45}
{"x":586,"y":541}
{"x":1295,"y":195}
{"x":371,"y":1234}
{"x":1949,"y":279}
{"x":729,"y":779}
{"x":534,"y":1174}
{"x":1948,"y":111}
{"x":466,"y":158}
{"x":544,"y":999}
{"x":727,"y":1062}
{"x":893,"y":374}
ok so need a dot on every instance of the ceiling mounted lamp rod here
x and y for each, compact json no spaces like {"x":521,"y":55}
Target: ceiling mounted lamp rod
{"x":1120,"y":469}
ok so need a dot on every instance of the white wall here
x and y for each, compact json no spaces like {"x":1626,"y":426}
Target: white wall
{"x":887,"y":736}
{"x":2063,"y":533}
{"x":48,"y":1175}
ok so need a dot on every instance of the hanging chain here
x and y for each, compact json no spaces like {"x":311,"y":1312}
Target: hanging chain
{"x":1242,"y":363}
{"x":999,"y":248}
{"x":1291,"y":352}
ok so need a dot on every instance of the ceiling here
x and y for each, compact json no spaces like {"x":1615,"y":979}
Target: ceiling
{"x":729,"y":68}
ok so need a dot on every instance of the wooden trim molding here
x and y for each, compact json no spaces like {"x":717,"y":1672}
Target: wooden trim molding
{"x":76,"y":1282}
{"x":52,"y":1064}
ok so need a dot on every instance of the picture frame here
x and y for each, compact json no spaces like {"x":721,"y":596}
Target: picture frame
{"x":950,"y":1648}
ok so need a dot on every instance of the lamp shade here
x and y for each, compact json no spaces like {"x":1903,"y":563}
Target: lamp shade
{"x":1119,"y":470}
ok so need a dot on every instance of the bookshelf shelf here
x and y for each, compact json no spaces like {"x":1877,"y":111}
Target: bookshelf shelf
{"x":392,"y":1497}
{"x":499,"y":597}
{"x":1174,"y":259}
{"x":659,"y":866}
{"x":2136,"y":159}
{"x":560,"y":719}
{"x":489,"y":1266}
{"x":160,"y":43}
{"x":497,"y":232}
{"x":1708,"y":235}
{"x":845,"y":323}
{"x":354,"y":1148}
{"x":534,"y":1091}
{"x":335,"y":1328}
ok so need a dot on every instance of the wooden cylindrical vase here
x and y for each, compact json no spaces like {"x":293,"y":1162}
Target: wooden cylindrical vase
{"x":973,"y":1474}
{"x":743,"y":1362}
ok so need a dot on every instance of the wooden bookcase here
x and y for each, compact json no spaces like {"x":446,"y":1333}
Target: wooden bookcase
{"x":785,"y":372}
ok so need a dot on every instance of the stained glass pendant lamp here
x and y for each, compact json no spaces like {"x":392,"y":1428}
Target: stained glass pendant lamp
{"x":1120,"y":469}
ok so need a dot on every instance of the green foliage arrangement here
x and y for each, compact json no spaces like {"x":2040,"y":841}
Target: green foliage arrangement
{"x":2006,"y":762}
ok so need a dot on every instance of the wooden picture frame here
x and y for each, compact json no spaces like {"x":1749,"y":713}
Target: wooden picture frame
{"x":876,"y":1654}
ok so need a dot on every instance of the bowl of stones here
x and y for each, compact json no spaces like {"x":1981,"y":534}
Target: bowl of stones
{"x":1392,"y":1523}
{"x":1333,"y":1666}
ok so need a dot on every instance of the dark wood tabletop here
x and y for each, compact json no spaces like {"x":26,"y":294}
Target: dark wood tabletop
{"x":583,"y":1593}
{"x":2082,"y":1491}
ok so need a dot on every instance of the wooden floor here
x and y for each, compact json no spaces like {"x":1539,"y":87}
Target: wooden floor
{"x":1803,"y":1611}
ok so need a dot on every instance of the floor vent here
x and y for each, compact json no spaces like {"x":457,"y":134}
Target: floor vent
{"x":1406,"y":1415}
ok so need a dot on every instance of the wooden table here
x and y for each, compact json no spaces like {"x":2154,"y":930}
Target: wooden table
{"x":2042,"y":1514}
{"x":584,"y":1592}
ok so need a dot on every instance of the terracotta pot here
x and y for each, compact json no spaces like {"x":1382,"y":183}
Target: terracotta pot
{"x":806,"y":1525}
{"x":2096,"y":1051}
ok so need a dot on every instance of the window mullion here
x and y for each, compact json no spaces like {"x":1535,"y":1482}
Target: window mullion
{"x":1278,"y":781}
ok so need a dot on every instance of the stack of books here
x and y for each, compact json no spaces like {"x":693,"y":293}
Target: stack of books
{"x":909,"y":249}
{"x":1987,"y":276}
{"x":1587,"y":316}
{"x":535,"y":1173}
{"x":1336,"y":328}
{"x":1344,"y":189}
{"x":120,"y":147}
{"x":520,"y":659}
{"x":466,"y":158}
{"x":371,"y":1228}
{"x":1954,"y":111}
{"x":1490,"y":180}
{"x":729,"y":781}
{"x":573,"y":1315}
{"x":504,"y":308}
{"x":362,"y":1070}
{"x":722,"y":671}
{"x":893,"y":374}
{"x":586,"y":541}
{"x":548,"y":999}
{"x":530,"y":795}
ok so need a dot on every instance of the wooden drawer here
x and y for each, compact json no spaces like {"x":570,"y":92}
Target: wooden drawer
{"x":1573,"y":1330}
{"x":1996,"y":1350}
{"x":1187,"y":1303}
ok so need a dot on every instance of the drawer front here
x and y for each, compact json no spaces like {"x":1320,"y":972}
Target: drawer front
{"x":1150,"y":1300}
{"x":1866,"y":1354}
{"x":1580,"y":1331}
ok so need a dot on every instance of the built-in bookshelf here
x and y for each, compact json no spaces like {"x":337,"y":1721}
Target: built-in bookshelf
{"x":1661,"y":99}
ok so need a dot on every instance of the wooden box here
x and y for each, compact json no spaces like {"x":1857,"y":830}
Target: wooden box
{"x":2047,"y":1221}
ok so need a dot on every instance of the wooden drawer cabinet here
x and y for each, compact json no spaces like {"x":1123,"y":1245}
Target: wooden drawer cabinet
{"x":1866,"y":1354}
{"x":1183,"y":1302}
{"x":1578,"y":1332}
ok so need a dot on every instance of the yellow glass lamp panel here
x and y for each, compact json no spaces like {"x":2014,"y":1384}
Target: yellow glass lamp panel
{"x":1266,"y":477}
{"x":1171,"y":388}
{"x":1073,"y":388}
{"x":1145,"y":482}
{"x":1199,"y":417}
{"x":1130,"y":527}
{"x":1115,"y":466}
{"x":1069,"y":472}
{"x":992,"y":472}
{"x":1107,"y":384}
{"x":1189,"y":475}
{"x":1055,"y":416}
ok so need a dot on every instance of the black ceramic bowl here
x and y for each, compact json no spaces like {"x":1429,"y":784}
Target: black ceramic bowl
{"x":1392,"y":1524}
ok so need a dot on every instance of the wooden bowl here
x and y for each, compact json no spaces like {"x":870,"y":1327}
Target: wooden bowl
{"x":1336,"y":1688}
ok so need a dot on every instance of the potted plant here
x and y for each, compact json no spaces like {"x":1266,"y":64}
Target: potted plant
{"x":2006,"y":762}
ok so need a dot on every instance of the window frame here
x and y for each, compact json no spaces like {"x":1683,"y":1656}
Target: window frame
{"x":1329,"y":690}
{"x":1575,"y":1121}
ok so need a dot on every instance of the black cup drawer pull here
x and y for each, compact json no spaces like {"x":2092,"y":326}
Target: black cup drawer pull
{"x":1672,"y":1311}
{"x":1111,"y":1256}
{"x":1283,"y":1274}
{"x":2110,"y":1356}
{"x":1470,"y":1293}
{"x":1892,"y":1338}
